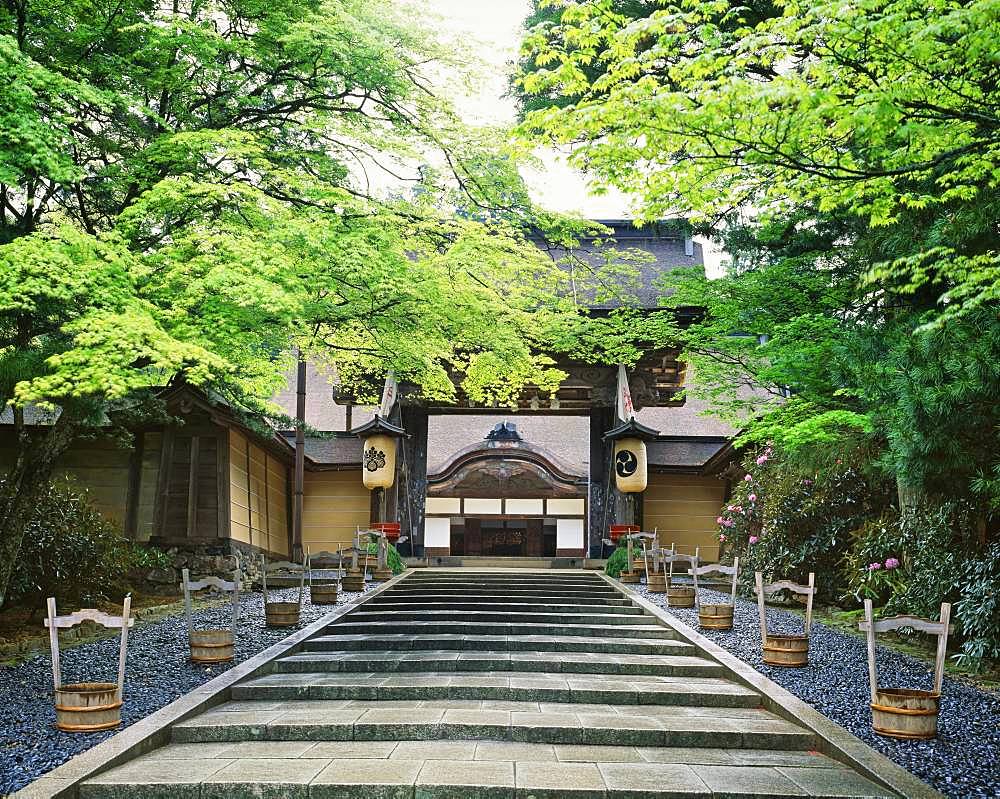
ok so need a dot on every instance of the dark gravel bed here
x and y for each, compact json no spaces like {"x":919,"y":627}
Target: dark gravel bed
{"x":962,"y":762}
{"x":157,"y":671}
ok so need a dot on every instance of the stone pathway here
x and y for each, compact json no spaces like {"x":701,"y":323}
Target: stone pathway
{"x":489,"y":684}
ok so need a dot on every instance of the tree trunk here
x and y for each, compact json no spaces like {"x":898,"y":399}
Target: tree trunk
{"x":36,"y":459}
{"x":910,"y":496}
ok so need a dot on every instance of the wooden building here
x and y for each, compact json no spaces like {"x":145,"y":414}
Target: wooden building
{"x":470,"y":482}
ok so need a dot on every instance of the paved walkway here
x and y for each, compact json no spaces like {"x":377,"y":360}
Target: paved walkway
{"x":489,"y":684}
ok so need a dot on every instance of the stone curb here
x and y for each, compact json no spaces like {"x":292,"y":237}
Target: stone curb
{"x":154,"y":730}
{"x":832,"y":739}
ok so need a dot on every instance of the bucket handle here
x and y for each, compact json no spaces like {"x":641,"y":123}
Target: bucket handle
{"x":55,"y":623}
{"x":939,"y":628}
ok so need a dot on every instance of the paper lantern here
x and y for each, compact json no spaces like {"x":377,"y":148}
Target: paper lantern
{"x":378,"y":462}
{"x":629,"y":455}
{"x":630,"y":465}
{"x":378,"y":454}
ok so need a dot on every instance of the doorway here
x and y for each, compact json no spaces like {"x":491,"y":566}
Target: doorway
{"x":493,"y":537}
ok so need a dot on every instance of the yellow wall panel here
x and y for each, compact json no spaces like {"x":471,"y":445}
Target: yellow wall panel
{"x":335,"y":504}
{"x":683,"y":509}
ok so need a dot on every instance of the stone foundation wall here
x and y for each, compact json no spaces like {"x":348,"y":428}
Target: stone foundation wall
{"x":220,"y":558}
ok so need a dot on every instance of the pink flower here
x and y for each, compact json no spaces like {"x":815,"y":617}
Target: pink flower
{"x":728,"y":522}
{"x":731,"y":507}
{"x":891,"y":563}
{"x":874,"y":567}
{"x":719,"y":520}
{"x":749,"y":478}
{"x":752,"y":497}
{"x":762,"y":460}
{"x":722,"y":537}
{"x":754,"y":539}
{"x":807,"y":482}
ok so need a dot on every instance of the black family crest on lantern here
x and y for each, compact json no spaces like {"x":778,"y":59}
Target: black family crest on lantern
{"x":626,"y":463}
{"x":378,"y":458}
{"x":374,"y":459}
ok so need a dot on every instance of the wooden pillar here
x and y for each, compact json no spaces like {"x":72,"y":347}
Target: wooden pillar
{"x":300,"y":458}
{"x":600,"y":516}
{"x":411,"y":474}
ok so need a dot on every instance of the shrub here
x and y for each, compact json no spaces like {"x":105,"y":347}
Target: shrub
{"x":787,"y":522}
{"x":617,"y":562}
{"x":978,"y":612}
{"x":393,"y":560}
{"x":73,"y":553}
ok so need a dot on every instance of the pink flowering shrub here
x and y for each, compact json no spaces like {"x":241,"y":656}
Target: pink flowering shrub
{"x":786,"y":521}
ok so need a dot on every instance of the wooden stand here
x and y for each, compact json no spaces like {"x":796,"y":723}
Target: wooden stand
{"x":680,"y":596}
{"x":907,"y":713}
{"x":790,"y":651}
{"x":283,"y":614}
{"x":718,"y":616}
{"x":88,"y":706}
{"x":323,"y":593}
{"x":211,"y":646}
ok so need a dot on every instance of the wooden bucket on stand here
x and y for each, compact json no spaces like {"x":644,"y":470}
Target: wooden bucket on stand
{"x":281,"y":614}
{"x":681,"y":597}
{"x":786,"y":650}
{"x":630,"y":577}
{"x":905,"y":713}
{"x":908,"y":713}
{"x":323,"y":593}
{"x":211,"y":646}
{"x":354,"y":581}
{"x":88,"y":707}
{"x":656,"y":583}
{"x":715,"y":617}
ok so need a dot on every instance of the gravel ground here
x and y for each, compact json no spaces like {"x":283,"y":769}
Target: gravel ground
{"x":962,"y":762}
{"x":157,"y":671}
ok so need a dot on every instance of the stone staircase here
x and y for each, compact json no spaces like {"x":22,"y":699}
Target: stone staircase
{"x":489,"y":684}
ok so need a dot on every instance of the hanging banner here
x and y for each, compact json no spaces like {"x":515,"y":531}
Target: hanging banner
{"x":624,"y":407}
{"x":389,"y":395}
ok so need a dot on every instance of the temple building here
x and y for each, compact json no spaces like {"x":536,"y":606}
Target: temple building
{"x":531,"y":482}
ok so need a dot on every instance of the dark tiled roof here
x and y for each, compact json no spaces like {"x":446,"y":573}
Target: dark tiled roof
{"x":681,"y":453}
{"x":661,"y":246}
{"x":337,"y":451}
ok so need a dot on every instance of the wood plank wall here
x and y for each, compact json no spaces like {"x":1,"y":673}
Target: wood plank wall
{"x":683,"y":508}
{"x":258,"y":496}
{"x":335,"y":504}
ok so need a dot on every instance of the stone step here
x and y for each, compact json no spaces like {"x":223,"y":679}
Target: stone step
{"x":348,"y":625}
{"x":512,"y":643}
{"x":500,"y":687}
{"x":548,"y":662}
{"x":522,"y":584}
{"x":395,"y":597}
{"x":473,"y":769}
{"x":557,"y":724}
{"x":396,"y":605}
{"x":599,"y":592}
{"x":362,"y":614}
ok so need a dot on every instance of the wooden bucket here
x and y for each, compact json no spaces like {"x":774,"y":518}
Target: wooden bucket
{"x":381,"y":575}
{"x":323,"y":593}
{"x":682,"y":597}
{"x":211,"y":646}
{"x":716,"y":617}
{"x":905,"y":713}
{"x":639,"y":565}
{"x":787,"y":650}
{"x":353,"y":581}
{"x":629,"y":577}
{"x":281,"y":614}
{"x":88,"y":706}
{"x":656,"y":583}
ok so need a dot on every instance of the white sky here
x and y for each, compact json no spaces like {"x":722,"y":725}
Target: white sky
{"x":490,"y":30}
